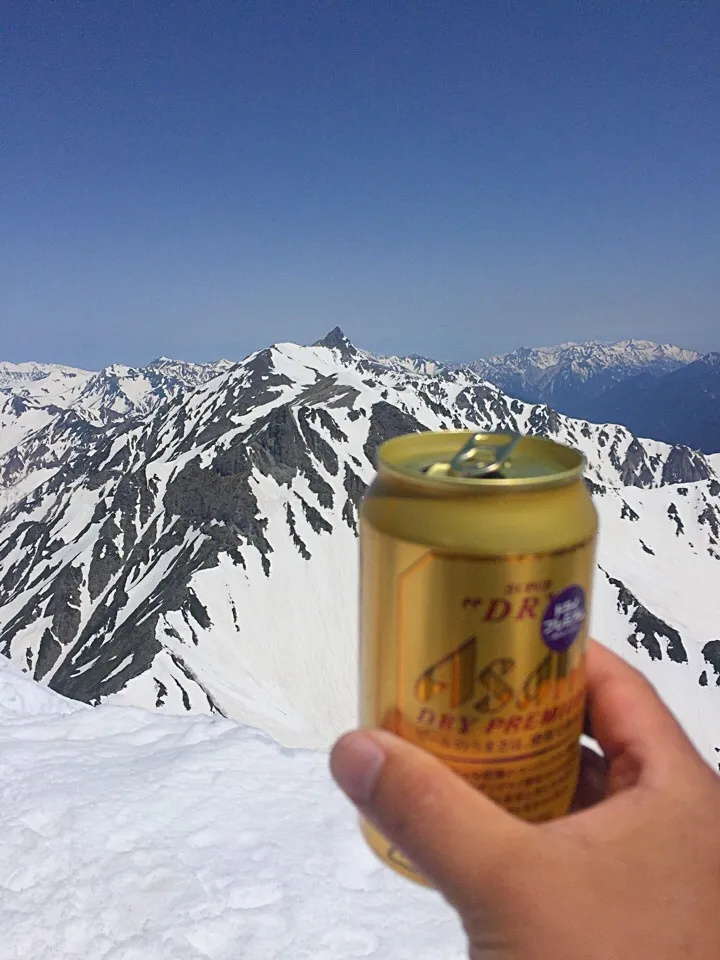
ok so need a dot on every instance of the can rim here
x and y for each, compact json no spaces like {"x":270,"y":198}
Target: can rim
{"x":407,"y":456}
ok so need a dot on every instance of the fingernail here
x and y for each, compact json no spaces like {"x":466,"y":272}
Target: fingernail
{"x":356,"y":762}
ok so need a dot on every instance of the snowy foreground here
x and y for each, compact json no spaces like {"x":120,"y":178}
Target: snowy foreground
{"x":131,"y":836}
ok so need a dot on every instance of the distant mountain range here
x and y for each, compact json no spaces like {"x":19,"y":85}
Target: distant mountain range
{"x":116,"y":392}
{"x":656,"y":390}
{"x":682,"y":406}
{"x":570,"y":373}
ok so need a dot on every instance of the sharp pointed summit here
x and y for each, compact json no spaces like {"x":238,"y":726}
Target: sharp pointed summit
{"x":336,"y":340}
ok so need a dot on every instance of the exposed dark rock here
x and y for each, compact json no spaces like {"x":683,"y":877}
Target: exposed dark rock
{"x":222,"y":493}
{"x":106,"y":559}
{"x":193,"y":678}
{"x":161,"y":694}
{"x":184,"y":694}
{"x":64,"y":604}
{"x":544,"y":422}
{"x":328,"y":392}
{"x":649,"y":630}
{"x":109,"y":651}
{"x":318,"y":446}
{"x":48,"y":653}
{"x":34,"y":539}
{"x":674,"y":515}
{"x":711,"y":516}
{"x":627,"y":512}
{"x":296,"y":539}
{"x":355,"y":486}
{"x":596,"y":489}
{"x":483,"y":403}
{"x":634,"y":469}
{"x":197,"y":610}
{"x":345,"y":399}
{"x":12,"y":466}
{"x":314,"y":517}
{"x":279,"y":450}
{"x":348,"y":515}
{"x":711,"y":654}
{"x":328,"y":423}
{"x":336,"y":340}
{"x":438,"y":408}
{"x":684,"y":466}
{"x":386,"y":422}
{"x":19,"y":405}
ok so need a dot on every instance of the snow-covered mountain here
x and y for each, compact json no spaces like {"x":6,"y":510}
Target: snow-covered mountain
{"x":47,"y":410}
{"x":203,"y":558}
{"x":570,"y":375}
{"x":114,"y":393}
{"x":48,"y":378}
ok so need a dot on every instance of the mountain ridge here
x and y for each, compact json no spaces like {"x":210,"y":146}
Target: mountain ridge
{"x":569,"y":374}
{"x":203,"y":557}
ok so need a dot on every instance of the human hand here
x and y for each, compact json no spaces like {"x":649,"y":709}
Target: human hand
{"x":633,"y":874}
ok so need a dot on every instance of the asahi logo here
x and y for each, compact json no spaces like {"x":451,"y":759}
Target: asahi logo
{"x":457,"y":677}
{"x":456,"y":697}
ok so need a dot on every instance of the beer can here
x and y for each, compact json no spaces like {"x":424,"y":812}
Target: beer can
{"x":477,"y":557}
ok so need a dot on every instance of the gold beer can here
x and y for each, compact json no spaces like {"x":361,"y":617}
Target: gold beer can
{"x":477,"y":556}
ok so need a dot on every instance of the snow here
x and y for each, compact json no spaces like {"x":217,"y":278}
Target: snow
{"x":131,"y":836}
{"x":15,"y":427}
{"x":39,"y":377}
{"x":635,"y":353}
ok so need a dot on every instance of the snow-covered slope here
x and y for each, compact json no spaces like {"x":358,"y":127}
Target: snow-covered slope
{"x":570,"y":375}
{"x":38,"y":379}
{"x":46,"y":411}
{"x":127,"y":836}
{"x":205,"y":558}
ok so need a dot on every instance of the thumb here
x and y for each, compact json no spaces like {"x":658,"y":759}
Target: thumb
{"x":458,"y":838}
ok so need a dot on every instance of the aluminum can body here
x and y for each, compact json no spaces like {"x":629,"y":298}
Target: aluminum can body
{"x":475,"y":597}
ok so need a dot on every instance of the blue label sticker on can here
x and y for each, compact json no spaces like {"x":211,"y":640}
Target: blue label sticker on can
{"x":563,"y":618}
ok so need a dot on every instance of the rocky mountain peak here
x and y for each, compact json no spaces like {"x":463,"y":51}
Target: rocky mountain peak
{"x":336,"y":340}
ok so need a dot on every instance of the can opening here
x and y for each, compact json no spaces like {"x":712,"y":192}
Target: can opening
{"x":445,"y":469}
{"x":478,"y":459}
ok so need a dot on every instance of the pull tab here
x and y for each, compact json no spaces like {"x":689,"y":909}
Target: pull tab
{"x":478,"y":459}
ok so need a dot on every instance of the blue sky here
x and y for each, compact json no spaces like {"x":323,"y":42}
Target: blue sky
{"x":200,"y":178}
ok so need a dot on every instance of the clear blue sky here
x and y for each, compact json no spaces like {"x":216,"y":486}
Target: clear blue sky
{"x":200,"y":178}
